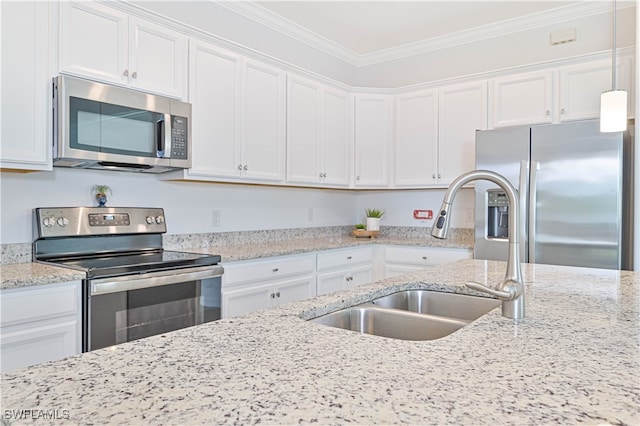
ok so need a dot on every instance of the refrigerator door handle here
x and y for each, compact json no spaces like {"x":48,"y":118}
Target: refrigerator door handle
{"x":535,"y":166}
{"x":522,"y":190}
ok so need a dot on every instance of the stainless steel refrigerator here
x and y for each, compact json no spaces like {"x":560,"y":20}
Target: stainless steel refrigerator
{"x":575,"y":189}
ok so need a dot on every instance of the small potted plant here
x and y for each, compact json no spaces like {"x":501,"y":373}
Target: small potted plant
{"x":373,"y":219}
{"x":100,"y":192}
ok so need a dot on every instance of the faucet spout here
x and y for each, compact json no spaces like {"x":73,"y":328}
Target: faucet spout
{"x":511,"y":290}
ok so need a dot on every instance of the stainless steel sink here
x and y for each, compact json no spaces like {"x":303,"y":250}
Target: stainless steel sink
{"x":405,"y":325}
{"x":452,"y":305}
{"x":411,"y":315}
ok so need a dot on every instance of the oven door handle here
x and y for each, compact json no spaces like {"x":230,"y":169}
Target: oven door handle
{"x":153,"y":279}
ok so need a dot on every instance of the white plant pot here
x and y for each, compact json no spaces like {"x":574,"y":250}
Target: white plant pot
{"x":373,"y":224}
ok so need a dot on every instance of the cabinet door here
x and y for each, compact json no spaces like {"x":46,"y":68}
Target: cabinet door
{"x":522,"y":99}
{"x":373,"y":133}
{"x":336,"y":148}
{"x":39,"y":343}
{"x":94,"y":42}
{"x":157,"y":59}
{"x":246,"y":299}
{"x":214,"y":92}
{"x":359,"y":276}
{"x":294,"y":289}
{"x":462,"y":110}
{"x":329,"y":282}
{"x":263,"y":127}
{"x":303,"y":131}
{"x":416,"y":141}
{"x":25,"y":117}
{"x":581,"y":87}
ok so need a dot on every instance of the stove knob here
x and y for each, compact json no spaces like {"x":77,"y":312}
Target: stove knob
{"x":62,"y":221}
{"x":160,"y":220}
{"x":150,"y":220}
{"x":48,"y":222}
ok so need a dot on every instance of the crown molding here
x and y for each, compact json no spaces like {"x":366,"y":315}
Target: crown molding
{"x":265,"y":17}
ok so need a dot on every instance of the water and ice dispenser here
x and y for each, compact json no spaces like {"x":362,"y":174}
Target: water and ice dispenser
{"x":497,"y":214}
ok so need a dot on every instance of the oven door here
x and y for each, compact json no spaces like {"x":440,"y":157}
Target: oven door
{"x":126,"y":308}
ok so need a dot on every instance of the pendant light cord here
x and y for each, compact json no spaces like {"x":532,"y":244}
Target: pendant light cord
{"x":613,"y":55}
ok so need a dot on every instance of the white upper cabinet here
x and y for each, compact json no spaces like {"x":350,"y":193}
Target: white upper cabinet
{"x":263,"y":121}
{"x":462,"y":110}
{"x":214,"y":93}
{"x":416,"y":141}
{"x":522,"y":99}
{"x":318,"y":142}
{"x":435,"y":133}
{"x":373,"y":136}
{"x":581,"y":86}
{"x":25,"y":116}
{"x":99,"y":42}
{"x":238,"y":112}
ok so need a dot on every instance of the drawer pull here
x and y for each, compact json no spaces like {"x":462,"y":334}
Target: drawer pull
{"x":348,"y":257}
{"x":275,"y":269}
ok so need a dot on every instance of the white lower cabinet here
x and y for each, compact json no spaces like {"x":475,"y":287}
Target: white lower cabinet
{"x":251,"y":285}
{"x":400,"y":260}
{"x":39,"y":324}
{"x":344,"y":268}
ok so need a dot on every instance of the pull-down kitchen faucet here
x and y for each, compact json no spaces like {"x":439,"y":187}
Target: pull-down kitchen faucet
{"x":511,"y":290}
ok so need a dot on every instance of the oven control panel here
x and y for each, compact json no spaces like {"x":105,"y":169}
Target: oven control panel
{"x":78,"y":221}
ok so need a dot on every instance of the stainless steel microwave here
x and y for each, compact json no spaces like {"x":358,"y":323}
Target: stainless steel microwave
{"x":100,"y":126}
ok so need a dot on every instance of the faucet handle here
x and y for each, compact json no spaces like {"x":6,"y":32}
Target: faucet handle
{"x":502,"y":295}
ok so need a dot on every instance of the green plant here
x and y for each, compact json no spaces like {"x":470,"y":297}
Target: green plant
{"x":101,"y":190}
{"x":374,"y":213}
{"x":360,"y":226}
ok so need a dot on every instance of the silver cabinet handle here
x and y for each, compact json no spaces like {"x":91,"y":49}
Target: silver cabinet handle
{"x":439,"y":176}
{"x":548,"y":113}
{"x":275,"y":269}
{"x":245,"y":168}
{"x":433,"y":176}
{"x":125,"y":73}
{"x":278,"y":294}
{"x":358,"y":177}
{"x":424,"y":257}
{"x":522,"y":185}
{"x":135,"y":74}
{"x":562,"y":111}
{"x":239,"y":166}
{"x":273,"y":295}
{"x":349,"y":257}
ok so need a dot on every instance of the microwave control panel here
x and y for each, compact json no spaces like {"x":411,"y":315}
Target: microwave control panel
{"x":179,"y":137}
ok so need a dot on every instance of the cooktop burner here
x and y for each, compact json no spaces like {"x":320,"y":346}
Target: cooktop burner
{"x":121,"y":264}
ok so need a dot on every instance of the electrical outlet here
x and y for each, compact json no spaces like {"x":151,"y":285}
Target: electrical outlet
{"x":215,"y":218}
{"x":468,"y":215}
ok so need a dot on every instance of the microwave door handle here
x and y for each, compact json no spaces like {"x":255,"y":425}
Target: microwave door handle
{"x":160,"y":138}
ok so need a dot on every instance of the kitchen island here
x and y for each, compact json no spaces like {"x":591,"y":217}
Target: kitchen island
{"x":575,"y":359}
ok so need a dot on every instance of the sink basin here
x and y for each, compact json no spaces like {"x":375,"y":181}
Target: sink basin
{"x":371,"y":319}
{"x":451,"y":305}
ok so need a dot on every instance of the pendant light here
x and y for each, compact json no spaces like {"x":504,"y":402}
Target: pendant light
{"x":613,"y":103}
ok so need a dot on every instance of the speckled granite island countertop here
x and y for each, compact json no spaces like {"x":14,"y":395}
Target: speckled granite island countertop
{"x":33,"y":274}
{"x":574,"y":360}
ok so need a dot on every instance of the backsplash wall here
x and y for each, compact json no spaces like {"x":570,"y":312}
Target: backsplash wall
{"x":189,"y":206}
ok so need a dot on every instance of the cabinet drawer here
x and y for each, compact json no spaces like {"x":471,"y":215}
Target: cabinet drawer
{"x":344,"y":257}
{"x":424,"y":256}
{"x":267,"y":269}
{"x":38,"y":303}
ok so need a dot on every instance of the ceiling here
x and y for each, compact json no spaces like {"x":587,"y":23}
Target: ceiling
{"x":370,"y":26}
{"x":364,"y":32}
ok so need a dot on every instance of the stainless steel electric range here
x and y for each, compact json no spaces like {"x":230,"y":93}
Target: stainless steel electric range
{"x":134,"y":288}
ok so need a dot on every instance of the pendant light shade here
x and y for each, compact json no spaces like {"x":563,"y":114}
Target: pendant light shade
{"x":613,"y":104}
{"x":613,"y":111}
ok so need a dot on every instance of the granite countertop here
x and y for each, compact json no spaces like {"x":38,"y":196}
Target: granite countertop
{"x":575,"y":359}
{"x":33,"y":274}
